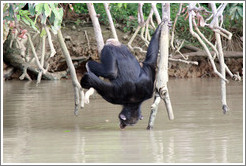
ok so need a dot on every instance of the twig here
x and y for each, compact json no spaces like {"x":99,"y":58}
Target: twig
{"x":35,"y":54}
{"x":25,"y":74}
{"x":88,"y":42}
{"x":184,"y":61}
{"x":42,"y":60}
{"x":205,"y":39}
{"x":178,"y":50}
{"x":191,"y":21}
{"x":133,"y":37}
{"x":142,"y":37}
{"x":218,"y":13}
{"x":52,"y":49}
{"x":174,"y":24}
{"x":147,"y":35}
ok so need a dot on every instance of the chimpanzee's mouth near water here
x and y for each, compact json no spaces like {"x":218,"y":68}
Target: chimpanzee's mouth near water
{"x":122,"y":126}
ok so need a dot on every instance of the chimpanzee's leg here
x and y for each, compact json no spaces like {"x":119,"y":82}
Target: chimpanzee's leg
{"x":107,"y":68}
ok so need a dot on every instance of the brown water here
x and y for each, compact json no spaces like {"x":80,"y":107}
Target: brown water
{"x":39,"y":126}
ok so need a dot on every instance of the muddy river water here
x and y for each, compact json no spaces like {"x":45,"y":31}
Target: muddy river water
{"x":39,"y":126}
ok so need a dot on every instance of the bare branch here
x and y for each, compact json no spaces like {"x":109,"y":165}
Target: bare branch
{"x":216,"y":15}
{"x":174,"y":24}
{"x":191,"y":21}
{"x":133,"y":37}
{"x":158,"y":18}
{"x":215,"y":22}
{"x":76,"y":84}
{"x":42,"y":60}
{"x":140,"y":14}
{"x":107,"y":9}
{"x":52,"y":49}
{"x":96,"y":26}
{"x":184,"y":61}
{"x":35,"y":54}
{"x":25,"y":74}
{"x":88,"y":42}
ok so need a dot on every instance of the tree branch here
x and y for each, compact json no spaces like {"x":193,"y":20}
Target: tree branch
{"x":77,"y":87}
{"x":106,"y":6}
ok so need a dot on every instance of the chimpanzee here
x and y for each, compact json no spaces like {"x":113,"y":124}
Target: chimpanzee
{"x":129,"y":82}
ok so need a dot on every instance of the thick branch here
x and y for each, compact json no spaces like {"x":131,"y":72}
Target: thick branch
{"x":96,"y":26}
{"x":106,"y":6}
{"x":158,"y":18}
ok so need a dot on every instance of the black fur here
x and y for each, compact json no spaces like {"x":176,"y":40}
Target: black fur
{"x":129,"y":83}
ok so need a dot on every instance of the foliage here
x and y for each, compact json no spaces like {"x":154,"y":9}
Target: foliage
{"x":29,"y":14}
{"x":80,"y":7}
{"x":235,"y":10}
{"x":122,"y":13}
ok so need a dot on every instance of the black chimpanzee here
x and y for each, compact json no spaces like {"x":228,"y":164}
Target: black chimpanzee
{"x":129,"y":82}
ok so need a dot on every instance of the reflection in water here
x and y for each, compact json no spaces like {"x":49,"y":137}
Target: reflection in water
{"x":39,"y":126}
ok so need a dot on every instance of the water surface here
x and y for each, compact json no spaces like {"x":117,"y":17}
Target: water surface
{"x":39,"y":126}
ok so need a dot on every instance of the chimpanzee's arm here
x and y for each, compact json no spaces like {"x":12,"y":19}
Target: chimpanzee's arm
{"x":108,"y":66}
{"x":105,"y":89}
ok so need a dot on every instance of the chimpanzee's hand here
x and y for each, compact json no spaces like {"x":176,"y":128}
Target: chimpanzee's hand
{"x":86,"y":81}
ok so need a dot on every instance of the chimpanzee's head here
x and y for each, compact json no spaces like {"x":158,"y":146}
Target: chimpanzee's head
{"x":130,"y":116}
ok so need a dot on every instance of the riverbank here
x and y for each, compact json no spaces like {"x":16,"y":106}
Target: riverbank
{"x":82,"y":46}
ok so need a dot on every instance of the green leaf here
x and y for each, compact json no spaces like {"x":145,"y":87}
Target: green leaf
{"x":18,"y":17}
{"x":52,"y":18}
{"x":60,"y":13}
{"x":240,"y":10}
{"x":52,"y":6}
{"x":8,"y":18}
{"x":24,"y":12}
{"x":25,"y":20}
{"x":125,"y":5}
{"x":11,"y":11}
{"x":43,"y":21}
{"x":47,"y":10}
{"x":119,"y":5}
{"x":39,"y":8}
{"x":31,"y":9}
{"x":34,"y":27}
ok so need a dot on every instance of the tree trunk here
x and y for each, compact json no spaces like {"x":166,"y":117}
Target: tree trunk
{"x":96,"y":26}
{"x":162,"y":73}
